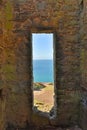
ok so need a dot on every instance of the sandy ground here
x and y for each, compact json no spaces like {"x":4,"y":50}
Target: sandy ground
{"x":43,"y":98}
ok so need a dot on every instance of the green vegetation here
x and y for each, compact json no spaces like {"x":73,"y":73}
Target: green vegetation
{"x":38,"y":86}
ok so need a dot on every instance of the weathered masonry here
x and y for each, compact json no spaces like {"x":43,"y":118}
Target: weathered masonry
{"x":67,"y":19}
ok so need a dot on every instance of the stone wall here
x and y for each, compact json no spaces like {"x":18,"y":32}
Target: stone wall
{"x":67,"y":20}
{"x":83,"y":39}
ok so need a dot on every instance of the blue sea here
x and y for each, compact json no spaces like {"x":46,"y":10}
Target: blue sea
{"x":43,"y":71}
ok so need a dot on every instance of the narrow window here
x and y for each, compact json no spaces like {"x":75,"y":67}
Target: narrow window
{"x":43,"y":72}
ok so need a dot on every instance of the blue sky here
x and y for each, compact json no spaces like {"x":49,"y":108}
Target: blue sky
{"x":42,"y":45}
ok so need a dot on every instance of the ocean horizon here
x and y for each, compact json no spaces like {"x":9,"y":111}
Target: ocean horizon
{"x":43,"y":70}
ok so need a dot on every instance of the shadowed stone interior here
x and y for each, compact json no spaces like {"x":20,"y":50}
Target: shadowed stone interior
{"x":68,"y":20}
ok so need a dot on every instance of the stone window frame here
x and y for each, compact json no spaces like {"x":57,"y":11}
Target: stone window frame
{"x":48,"y":31}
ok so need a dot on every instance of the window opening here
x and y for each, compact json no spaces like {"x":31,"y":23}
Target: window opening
{"x":43,"y":72}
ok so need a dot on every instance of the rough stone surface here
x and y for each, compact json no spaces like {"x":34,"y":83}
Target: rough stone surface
{"x":67,"y":19}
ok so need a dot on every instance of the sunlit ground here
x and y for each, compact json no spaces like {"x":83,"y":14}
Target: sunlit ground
{"x":43,"y":98}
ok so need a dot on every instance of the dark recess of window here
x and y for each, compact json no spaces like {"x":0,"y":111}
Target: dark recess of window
{"x":1,"y":95}
{"x":81,"y":6}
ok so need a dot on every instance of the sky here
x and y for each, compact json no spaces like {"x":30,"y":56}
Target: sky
{"x":42,"y":46}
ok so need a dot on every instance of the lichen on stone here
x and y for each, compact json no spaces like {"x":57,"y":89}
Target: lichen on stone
{"x":9,"y":15}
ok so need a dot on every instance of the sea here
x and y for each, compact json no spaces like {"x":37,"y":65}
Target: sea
{"x":43,"y":71}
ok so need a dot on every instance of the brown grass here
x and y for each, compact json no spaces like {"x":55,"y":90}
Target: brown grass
{"x":43,"y":99}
